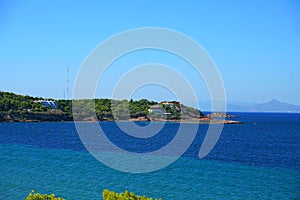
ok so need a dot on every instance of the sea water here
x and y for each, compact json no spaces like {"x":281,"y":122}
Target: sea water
{"x":259,"y":159}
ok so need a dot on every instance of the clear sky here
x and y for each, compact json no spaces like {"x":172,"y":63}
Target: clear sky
{"x":255,"y":44}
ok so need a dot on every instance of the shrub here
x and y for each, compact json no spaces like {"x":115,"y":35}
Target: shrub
{"x":106,"y":194}
{"x":37,"y":196}
{"x":111,"y":195}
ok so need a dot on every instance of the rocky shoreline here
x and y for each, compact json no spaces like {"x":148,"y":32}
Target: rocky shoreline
{"x":65,"y":118}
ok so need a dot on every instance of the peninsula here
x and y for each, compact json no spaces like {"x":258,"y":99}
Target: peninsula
{"x":20,"y":108}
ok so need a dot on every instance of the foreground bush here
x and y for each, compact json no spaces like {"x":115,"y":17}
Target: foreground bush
{"x":106,"y":194}
{"x":38,"y":196}
{"x":111,"y":195}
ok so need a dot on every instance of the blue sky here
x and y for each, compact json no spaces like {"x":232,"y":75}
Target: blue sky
{"x":255,"y":44}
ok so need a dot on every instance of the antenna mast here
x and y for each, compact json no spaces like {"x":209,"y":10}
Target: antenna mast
{"x":68,"y":82}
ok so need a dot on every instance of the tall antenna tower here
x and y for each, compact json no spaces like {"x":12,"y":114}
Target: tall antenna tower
{"x":68,"y":80}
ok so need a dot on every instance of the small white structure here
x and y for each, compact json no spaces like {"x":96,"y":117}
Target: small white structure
{"x":47,"y":103}
{"x":159,"y":110}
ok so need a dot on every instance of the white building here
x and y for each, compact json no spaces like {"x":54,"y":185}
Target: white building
{"x":47,"y":103}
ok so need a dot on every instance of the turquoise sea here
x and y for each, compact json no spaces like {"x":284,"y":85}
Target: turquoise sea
{"x":256,"y":160}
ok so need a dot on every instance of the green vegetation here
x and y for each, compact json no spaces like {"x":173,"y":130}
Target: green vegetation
{"x":64,"y":105}
{"x":124,"y":110}
{"x":15,"y":107}
{"x":106,"y":195}
{"x":111,"y":195}
{"x":11,"y":102}
{"x":37,"y":196}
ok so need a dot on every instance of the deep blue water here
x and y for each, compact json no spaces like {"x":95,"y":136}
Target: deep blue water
{"x":259,"y":159}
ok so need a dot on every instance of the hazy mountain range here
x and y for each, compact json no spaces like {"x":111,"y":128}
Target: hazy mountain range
{"x":271,"y":106}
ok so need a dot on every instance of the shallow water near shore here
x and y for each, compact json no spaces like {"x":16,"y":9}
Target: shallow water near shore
{"x":259,"y":159}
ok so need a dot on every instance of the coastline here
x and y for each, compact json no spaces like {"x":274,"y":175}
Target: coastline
{"x":66,"y":118}
{"x":20,"y":108}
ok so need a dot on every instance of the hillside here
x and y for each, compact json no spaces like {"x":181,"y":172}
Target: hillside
{"x":14,"y":107}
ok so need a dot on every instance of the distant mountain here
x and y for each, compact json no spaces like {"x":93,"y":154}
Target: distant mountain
{"x":272,"y":106}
